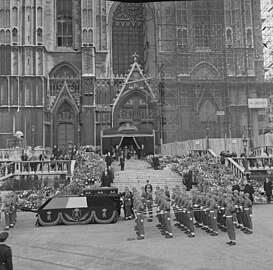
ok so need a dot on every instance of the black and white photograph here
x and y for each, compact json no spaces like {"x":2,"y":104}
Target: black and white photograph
{"x":136,"y":134}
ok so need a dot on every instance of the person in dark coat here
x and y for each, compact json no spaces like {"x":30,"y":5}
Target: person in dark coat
{"x":250,"y":190}
{"x":268,"y":189}
{"x":156,"y":162}
{"x":148,"y":185}
{"x":5,"y":253}
{"x":236,"y":186}
{"x":106,"y":178}
{"x":108,"y":159}
{"x":55,"y":151}
{"x":188,"y":180}
{"x":121,"y":163}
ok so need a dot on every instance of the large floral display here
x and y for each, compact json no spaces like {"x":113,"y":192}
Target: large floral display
{"x":88,"y":170}
{"x":207,"y":167}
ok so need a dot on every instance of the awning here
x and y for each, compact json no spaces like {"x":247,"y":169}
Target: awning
{"x":114,"y":136}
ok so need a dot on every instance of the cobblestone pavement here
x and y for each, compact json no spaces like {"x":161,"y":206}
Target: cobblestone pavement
{"x":113,"y":246}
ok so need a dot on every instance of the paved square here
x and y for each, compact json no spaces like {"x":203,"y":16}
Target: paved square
{"x":111,"y":246}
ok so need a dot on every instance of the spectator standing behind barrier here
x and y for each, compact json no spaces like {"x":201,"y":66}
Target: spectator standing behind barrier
{"x":268,"y":189}
{"x":5,"y":253}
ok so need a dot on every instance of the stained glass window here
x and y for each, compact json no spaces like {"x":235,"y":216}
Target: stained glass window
{"x":127,"y":36}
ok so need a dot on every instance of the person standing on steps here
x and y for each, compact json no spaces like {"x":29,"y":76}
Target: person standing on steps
{"x":108,"y":159}
{"x":142,"y":152}
{"x":121,"y":163}
{"x":106,"y":178}
{"x":148,"y":185}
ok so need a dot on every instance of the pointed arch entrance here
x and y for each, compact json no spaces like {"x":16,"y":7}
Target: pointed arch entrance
{"x":136,"y":108}
{"x":65,"y":126}
{"x":65,"y":115}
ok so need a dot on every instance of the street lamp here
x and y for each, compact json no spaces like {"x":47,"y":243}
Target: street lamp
{"x":33,"y":135}
{"x":207,"y":128}
{"x":245,"y":157}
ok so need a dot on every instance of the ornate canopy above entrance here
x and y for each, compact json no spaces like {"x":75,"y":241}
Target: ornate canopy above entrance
{"x":118,"y":136}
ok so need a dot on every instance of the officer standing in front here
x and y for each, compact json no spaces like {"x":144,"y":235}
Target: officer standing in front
{"x":5,"y":253}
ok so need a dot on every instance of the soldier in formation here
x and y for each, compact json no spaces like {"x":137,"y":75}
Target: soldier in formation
{"x":210,"y":211}
{"x":8,"y":207}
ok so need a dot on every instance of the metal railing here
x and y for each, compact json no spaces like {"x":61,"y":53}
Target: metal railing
{"x":255,"y":163}
{"x":33,"y":167}
{"x":236,"y":168}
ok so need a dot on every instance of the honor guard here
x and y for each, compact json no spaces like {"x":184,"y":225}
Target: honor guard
{"x":167,"y":217}
{"x":139,"y":208}
{"x":229,"y":211}
{"x":189,"y":215}
{"x":213,"y":208}
{"x":7,"y":213}
{"x":149,"y":203}
{"x":248,"y":214}
{"x":241,"y":206}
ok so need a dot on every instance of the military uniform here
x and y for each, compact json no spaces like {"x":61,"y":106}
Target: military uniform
{"x":248,"y":214}
{"x":7,"y":213}
{"x":189,"y":214}
{"x":167,"y":218}
{"x":5,"y":253}
{"x":229,"y":210}
{"x":149,"y":203}
{"x":213,"y":207}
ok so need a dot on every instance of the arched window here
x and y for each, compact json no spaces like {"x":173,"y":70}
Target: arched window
{"x":85,"y":18}
{"x":90,"y":36}
{"x":7,"y":18}
{"x":179,"y":37}
{"x":184,"y":37}
{"x":229,"y":37}
{"x":64,"y":23}
{"x":84,"y":36}
{"x":7,"y":37}
{"x":40,"y":35}
{"x":127,"y":36}
{"x":39,"y":16}
{"x":15,"y":16}
{"x":249,"y":37}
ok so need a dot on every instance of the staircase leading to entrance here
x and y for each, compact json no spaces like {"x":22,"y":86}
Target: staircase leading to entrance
{"x":137,"y":172}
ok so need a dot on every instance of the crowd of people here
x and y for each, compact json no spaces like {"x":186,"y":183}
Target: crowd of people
{"x":119,"y":154}
{"x":53,"y":162}
{"x":211,"y":210}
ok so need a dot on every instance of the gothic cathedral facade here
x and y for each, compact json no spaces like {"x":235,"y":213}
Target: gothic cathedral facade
{"x":71,"y":68}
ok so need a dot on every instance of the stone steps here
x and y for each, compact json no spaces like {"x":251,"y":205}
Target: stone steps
{"x":137,"y":172}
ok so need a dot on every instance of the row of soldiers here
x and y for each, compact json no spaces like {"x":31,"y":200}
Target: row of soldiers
{"x":8,"y":207}
{"x":209,"y":211}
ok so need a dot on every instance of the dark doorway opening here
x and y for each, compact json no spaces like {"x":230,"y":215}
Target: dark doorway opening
{"x":128,"y":141}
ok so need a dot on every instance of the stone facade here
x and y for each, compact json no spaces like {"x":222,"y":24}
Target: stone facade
{"x":65,"y":66}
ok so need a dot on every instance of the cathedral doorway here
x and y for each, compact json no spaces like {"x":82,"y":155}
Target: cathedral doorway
{"x":138,"y":110}
{"x":65,"y":127}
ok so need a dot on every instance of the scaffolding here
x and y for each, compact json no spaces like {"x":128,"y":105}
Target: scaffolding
{"x":192,"y":72}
